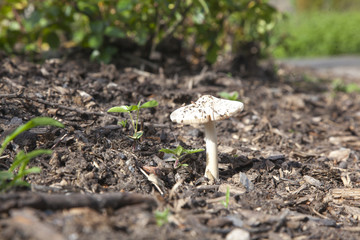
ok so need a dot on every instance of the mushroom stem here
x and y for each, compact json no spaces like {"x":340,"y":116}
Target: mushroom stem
{"x":211,"y":151}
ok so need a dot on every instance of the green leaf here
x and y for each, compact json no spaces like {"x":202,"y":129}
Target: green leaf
{"x":38,"y":152}
{"x":21,"y":157}
{"x":17,"y":182}
{"x":21,"y":160}
{"x":95,"y":41}
{"x":86,"y":7}
{"x":137,"y":135}
{"x":52,"y":39}
{"x":150,"y":104}
{"x":227,"y":198}
{"x":168,"y":151}
{"x":32,"y":170}
{"x":162,"y":217}
{"x":212,"y":53}
{"x":230,"y":96}
{"x":179,"y":150}
{"x":183,"y":165}
{"x":191,"y":151}
{"x":124,"y":108}
{"x":133,"y":108}
{"x":106,"y":54}
{"x":38,"y":121}
{"x":119,"y":109}
{"x":79,"y":36}
{"x":352,"y":87}
{"x":123,"y":5}
{"x":115,"y":32}
{"x":97,"y":26}
{"x":6,"y":175}
{"x":204,"y":5}
{"x":122,"y":123}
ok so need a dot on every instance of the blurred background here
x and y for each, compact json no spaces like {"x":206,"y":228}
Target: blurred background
{"x":317,"y":28}
{"x":197,"y":30}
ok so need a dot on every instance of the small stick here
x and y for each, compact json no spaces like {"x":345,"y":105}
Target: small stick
{"x":52,"y":104}
{"x":45,"y":201}
{"x":153,"y":182}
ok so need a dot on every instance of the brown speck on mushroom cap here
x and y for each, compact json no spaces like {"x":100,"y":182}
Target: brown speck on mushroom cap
{"x":206,"y":108}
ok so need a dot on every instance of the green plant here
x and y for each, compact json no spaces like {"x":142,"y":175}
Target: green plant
{"x":227,"y":198}
{"x":339,"y":86}
{"x":11,"y":177}
{"x":179,"y":152}
{"x":317,"y":33}
{"x":162,"y":217}
{"x":134,"y":121}
{"x":101,"y":26}
{"x":325,"y":5}
{"x":123,"y":123}
{"x":234,"y":96}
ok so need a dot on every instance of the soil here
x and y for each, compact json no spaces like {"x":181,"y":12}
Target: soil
{"x":290,"y":160}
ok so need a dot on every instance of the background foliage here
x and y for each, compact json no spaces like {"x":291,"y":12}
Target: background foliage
{"x":319,"y":28}
{"x":326,"y":5}
{"x":209,"y":27}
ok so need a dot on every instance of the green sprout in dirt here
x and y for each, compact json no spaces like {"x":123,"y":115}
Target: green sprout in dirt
{"x":162,"y":217}
{"x":227,"y":198}
{"x":11,"y":177}
{"x":340,"y":86}
{"x":234,"y":96}
{"x":179,"y":152}
{"x":134,"y":121}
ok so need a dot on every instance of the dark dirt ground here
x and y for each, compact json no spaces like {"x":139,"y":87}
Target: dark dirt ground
{"x":290,"y":159}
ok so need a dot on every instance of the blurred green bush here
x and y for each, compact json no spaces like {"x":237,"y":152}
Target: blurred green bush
{"x":325,"y":5}
{"x":318,"y":33}
{"x":210,"y":27}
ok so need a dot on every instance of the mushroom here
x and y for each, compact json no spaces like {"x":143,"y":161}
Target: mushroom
{"x":206,"y":110}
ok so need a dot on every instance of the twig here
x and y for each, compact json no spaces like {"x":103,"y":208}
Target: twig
{"x":152,"y":65}
{"x":52,"y":104}
{"x":175,"y":187}
{"x":152,"y":181}
{"x":27,"y":222}
{"x":57,"y":143}
{"x":8,"y":81}
{"x":60,"y":201}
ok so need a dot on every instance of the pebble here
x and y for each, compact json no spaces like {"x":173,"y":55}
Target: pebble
{"x":340,"y":155}
{"x":122,"y":156}
{"x":238,"y":234}
{"x":195,"y":133}
{"x":244,"y":180}
{"x":236,"y":221}
{"x":312,"y":181}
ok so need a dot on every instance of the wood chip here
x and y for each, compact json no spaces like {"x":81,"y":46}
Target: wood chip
{"x":346,"y":193}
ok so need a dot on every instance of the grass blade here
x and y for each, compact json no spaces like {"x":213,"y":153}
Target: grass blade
{"x":38,"y":121}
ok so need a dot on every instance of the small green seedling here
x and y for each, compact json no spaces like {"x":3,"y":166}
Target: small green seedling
{"x":162,"y":217}
{"x":11,"y":177}
{"x":339,"y":86}
{"x":179,"y":152}
{"x":134,"y":122}
{"x":234,"y":96}
{"x":227,"y":198}
{"x":122,"y":123}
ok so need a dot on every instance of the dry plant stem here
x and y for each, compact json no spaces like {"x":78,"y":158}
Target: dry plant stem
{"x":52,"y":104}
{"x":211,"y":151}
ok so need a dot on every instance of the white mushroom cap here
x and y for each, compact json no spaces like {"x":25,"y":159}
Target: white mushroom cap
{"x":206,"y":109}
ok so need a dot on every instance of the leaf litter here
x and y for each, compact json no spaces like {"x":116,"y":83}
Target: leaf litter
{"x":290,"y":160}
